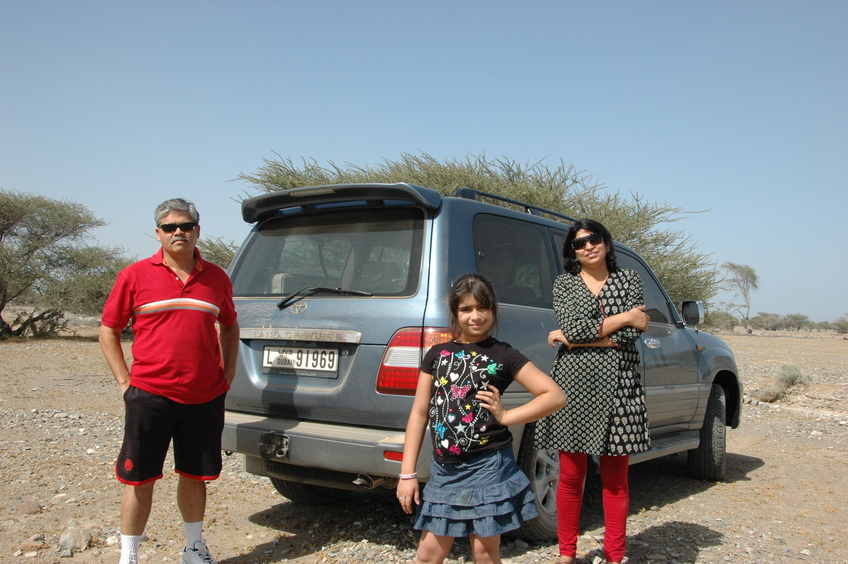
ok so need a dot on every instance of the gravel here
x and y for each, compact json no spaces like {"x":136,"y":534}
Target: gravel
{"x":784,"y":500}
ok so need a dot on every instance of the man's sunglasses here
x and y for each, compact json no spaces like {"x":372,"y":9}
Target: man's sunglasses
{"x":594,"y":238}
{"x":184,"y":227}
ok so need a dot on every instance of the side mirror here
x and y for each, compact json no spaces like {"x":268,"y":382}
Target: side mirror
{"x":693,"y":312}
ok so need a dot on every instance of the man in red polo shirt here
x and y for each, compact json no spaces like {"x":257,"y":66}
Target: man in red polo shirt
{"x":184,"y":359}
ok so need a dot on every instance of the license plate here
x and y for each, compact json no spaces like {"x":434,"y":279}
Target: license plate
{"x":325,"y":361}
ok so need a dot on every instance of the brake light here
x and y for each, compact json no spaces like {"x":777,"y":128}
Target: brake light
{"x":402,"y":360}
{"x":393,"y":455}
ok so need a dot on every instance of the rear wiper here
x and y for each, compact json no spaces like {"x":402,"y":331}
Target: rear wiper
{"x":311,"y":290}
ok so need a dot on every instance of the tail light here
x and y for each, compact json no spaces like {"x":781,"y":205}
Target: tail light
{"x":401,"y":362}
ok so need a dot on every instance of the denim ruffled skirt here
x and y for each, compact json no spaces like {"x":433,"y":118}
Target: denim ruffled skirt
{"x":486,"y":496}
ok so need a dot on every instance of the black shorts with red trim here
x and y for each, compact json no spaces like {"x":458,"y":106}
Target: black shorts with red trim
{"x":152,"y":421}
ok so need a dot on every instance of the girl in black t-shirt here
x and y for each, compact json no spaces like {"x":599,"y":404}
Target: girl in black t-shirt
{"x":476,"y":488}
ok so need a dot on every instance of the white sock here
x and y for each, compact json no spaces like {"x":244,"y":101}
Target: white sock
{"x":193,"y":532}
{"x":129,"y":548}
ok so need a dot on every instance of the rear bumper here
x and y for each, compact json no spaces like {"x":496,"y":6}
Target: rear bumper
{"x":326,"y":446}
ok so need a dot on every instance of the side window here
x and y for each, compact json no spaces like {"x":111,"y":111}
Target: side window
{"x":517,"y":257}
{"x":559,"y":241}
{"x":656,"y":303}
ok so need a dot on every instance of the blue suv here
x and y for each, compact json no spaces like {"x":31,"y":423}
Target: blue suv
{"x":341,"y":289}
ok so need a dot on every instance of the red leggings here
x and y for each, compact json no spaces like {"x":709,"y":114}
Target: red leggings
{"x":572,"y":478}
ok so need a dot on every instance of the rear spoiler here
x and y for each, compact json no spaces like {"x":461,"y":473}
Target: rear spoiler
{"x":261,"y":207}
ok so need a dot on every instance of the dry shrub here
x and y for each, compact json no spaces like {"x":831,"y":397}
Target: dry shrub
{"x":790,"y":376}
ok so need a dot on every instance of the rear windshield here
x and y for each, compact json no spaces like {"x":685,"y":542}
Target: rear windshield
{"x":376,"y":250}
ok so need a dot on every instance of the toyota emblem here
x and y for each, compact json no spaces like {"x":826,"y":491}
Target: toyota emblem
{"x":298,"y":307}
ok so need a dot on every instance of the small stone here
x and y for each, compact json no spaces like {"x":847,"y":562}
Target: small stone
{"x":29,"y":507}
{"x":30,"y":545}
{"x":75,"y":539}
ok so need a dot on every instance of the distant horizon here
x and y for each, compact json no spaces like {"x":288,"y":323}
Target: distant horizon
{"x":716,"y":301}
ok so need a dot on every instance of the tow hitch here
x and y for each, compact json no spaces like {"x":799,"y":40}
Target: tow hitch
{"x":272,"y":445}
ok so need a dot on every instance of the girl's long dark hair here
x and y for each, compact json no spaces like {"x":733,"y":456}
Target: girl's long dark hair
{"x":478,"y":286}
{"x":569,"y":257}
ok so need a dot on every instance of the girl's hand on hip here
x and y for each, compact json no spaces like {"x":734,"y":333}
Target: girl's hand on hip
{"x":491,"y":400}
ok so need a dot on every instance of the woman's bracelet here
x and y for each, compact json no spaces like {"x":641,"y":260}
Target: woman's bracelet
{"x":408,"y":476}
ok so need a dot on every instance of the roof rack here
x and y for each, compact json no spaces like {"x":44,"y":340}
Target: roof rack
{"x":471,"y":194}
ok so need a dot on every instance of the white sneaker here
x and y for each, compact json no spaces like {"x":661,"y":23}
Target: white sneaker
{"x":199,"y":554}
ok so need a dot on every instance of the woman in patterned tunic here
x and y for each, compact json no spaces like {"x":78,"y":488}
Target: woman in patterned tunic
{"x":600,"y":311}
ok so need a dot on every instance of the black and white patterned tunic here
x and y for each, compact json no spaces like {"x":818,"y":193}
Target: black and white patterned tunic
{"x":606,"y":412}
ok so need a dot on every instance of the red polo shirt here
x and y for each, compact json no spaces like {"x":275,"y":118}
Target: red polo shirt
{"x":176,"y":353}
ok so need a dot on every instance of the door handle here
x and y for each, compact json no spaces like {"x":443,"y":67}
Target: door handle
{"x":652,"y":343}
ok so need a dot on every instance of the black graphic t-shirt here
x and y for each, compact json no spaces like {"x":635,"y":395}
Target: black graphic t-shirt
{"x":459,"y":427}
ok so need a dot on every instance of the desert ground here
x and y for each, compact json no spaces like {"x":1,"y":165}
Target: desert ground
{"x":784,"y":500}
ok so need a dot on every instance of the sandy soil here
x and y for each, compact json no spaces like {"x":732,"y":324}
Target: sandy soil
{"x":784,"y":500}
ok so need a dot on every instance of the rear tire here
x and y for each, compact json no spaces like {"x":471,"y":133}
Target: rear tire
{"x":308,"y":494}
{"x":542,"y":468}
{"x":709,"y":460}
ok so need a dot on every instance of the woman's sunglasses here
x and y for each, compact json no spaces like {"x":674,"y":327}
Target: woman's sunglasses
{"x":171,"y":227}
{"x":594,"y":238}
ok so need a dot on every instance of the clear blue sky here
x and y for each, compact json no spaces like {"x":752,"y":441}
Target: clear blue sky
{"x":739,"y":108}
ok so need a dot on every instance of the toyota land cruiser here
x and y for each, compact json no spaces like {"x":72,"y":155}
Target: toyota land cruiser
{"x":341,"y":289}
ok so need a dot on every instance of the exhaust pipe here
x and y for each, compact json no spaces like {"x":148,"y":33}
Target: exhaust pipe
{"x":369,"y":482}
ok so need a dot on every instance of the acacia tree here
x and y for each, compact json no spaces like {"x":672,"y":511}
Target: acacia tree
{"x":767,"y":321}
{"x":685,"y":272}
{"x":720,"y":320}
{"x":743,"y":280}
{"x":796,"y":321}
{"x":46,"y":269}
{"x":217,"y":250}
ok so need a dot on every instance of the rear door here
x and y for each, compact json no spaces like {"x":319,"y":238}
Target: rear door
{"x":518,"y":257}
